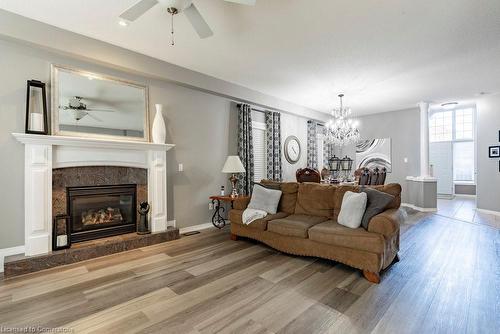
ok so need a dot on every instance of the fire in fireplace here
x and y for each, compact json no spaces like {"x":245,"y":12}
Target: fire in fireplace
{"x":101,"y":211}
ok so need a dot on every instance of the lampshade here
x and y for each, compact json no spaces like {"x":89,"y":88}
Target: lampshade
{"x":233,"y":165}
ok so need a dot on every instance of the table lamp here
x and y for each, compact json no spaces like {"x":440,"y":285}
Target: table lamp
{"x":233,"y":166}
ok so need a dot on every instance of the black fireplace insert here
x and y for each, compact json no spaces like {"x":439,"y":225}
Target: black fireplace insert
{"x":101,"y":211}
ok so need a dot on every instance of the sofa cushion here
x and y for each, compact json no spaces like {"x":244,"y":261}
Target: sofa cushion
{"x":339,"y":196}
{"x":315,"y":199}
{"x":289,"y":194}
{"x":294,"y":225}
{"x":377,"y":202}
{"x":393,"y":189}
{"x":264,"y":199}
{"x":352,"y":210}
{"x":235,"y":216}
{"x":332,"y":233}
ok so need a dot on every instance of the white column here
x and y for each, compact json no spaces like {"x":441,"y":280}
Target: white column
{"x":37,"y":199}
{"x":424,"y":139}
{"x":157,"y":189}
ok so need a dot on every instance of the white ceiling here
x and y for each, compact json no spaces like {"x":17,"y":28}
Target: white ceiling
{"x":384,"y":55}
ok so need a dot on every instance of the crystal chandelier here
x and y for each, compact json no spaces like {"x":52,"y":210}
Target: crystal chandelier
{"x":341,"y":130}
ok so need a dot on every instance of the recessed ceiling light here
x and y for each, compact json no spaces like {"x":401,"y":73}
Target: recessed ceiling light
{"x":449,"y":105}
{"x":123,"y":23}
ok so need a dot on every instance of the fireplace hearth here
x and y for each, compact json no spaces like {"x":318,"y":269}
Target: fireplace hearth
{"x":101,"y":211}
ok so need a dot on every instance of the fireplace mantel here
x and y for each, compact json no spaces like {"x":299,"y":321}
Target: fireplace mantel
{"x":90,"y":142}
{"x":43,"y":153}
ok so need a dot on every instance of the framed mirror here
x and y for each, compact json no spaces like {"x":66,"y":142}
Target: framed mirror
{"x":86,"y":104}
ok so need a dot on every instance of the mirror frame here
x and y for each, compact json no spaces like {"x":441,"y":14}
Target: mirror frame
{"x":55,"y":69}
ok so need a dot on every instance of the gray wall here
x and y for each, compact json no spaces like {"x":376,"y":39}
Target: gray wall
{"x":465,"y":189}
{"x":403,"y":127}
{"x":292,"y":125}
{"x":31,"y":32}
{"x":201,"y":124}
{"x":488,"y":175}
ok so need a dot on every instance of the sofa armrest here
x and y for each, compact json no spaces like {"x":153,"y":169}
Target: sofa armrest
{"x":386,"y":223}
{"x":241,"y":203}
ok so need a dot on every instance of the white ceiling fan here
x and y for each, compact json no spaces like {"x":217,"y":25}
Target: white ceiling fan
{"x":80,"y":109}
{"x":174,"y":7}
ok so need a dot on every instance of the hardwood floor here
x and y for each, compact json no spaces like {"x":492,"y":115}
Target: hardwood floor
{"x":447,"y":281}
{"x":464,"y":208}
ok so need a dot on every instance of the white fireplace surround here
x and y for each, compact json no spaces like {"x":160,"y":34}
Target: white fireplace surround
{"x":44,"y":153}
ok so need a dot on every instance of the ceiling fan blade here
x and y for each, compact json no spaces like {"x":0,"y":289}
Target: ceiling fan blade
{"x":244,"y":2}
{"x":94,"y":117}
{"x":97,"y":109}
{"x":138,"y":9}
{"x":197,"y":21}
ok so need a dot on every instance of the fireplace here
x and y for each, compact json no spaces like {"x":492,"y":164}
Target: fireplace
{"x":101,"y":211}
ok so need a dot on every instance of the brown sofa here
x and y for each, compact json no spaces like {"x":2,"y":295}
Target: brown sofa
{"x":306,"y":224}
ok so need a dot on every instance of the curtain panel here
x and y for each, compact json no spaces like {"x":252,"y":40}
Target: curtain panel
{"x":245,"y":149}
{"x":273,"y":145}
{"x":312,"y":144}
{"x":328,"y":149}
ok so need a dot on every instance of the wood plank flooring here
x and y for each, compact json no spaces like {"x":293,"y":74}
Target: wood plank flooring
{"x":448,"y":281}
{"x":464,"y":208}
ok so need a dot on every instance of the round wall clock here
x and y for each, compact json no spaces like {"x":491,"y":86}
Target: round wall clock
{"x":292,"y":149}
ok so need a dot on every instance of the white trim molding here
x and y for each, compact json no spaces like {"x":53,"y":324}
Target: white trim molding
{"x":421,"y":178}
{"x":419,"y":208}
{"x":489,"y":212}
{"x":196,"y":228}
{"x":8,"y":252}
{"x":44,"y":153}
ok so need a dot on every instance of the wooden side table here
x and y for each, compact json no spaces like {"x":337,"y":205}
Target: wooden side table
{"x":217,"y":218}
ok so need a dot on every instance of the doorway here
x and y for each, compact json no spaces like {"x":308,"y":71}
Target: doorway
{"x":452,"y":152}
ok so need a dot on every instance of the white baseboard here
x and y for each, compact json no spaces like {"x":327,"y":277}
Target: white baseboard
{"x":9,"y":251}
{"x":419,"y":208}
{"x":172,"y":223}
{"x":196,"y":228}
{"x":444,"y":196}
{"x":465,"y":196}
{"x":489,"y":212}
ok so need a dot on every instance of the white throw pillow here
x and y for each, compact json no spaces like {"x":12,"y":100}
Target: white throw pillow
{"x":265,"y":199}
{"x":352,"y":209}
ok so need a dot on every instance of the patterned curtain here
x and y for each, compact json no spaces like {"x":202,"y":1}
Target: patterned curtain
{"x":273,"y":145}
{"x":245,"y":149}
{"x":312,"y":147}
{"x":328,"y":150}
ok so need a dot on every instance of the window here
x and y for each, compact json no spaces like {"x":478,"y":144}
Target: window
{"x":463,"y":161}
{"x":464,"y":120}
{"x":456,"y":126}
{"x":441,"y":126}
{"x":259,"y":151}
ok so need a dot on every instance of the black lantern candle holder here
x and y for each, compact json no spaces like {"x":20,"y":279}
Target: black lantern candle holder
{"x":346,"y":166}
{"x":335,"y":166}
{"x":61,"y":234}
{"x":36,"y":108}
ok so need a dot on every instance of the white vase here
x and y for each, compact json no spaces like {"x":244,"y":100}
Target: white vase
{"x":159,"y":130}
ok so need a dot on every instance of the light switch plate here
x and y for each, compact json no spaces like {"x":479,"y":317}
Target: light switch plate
{"x":181,"y":167}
